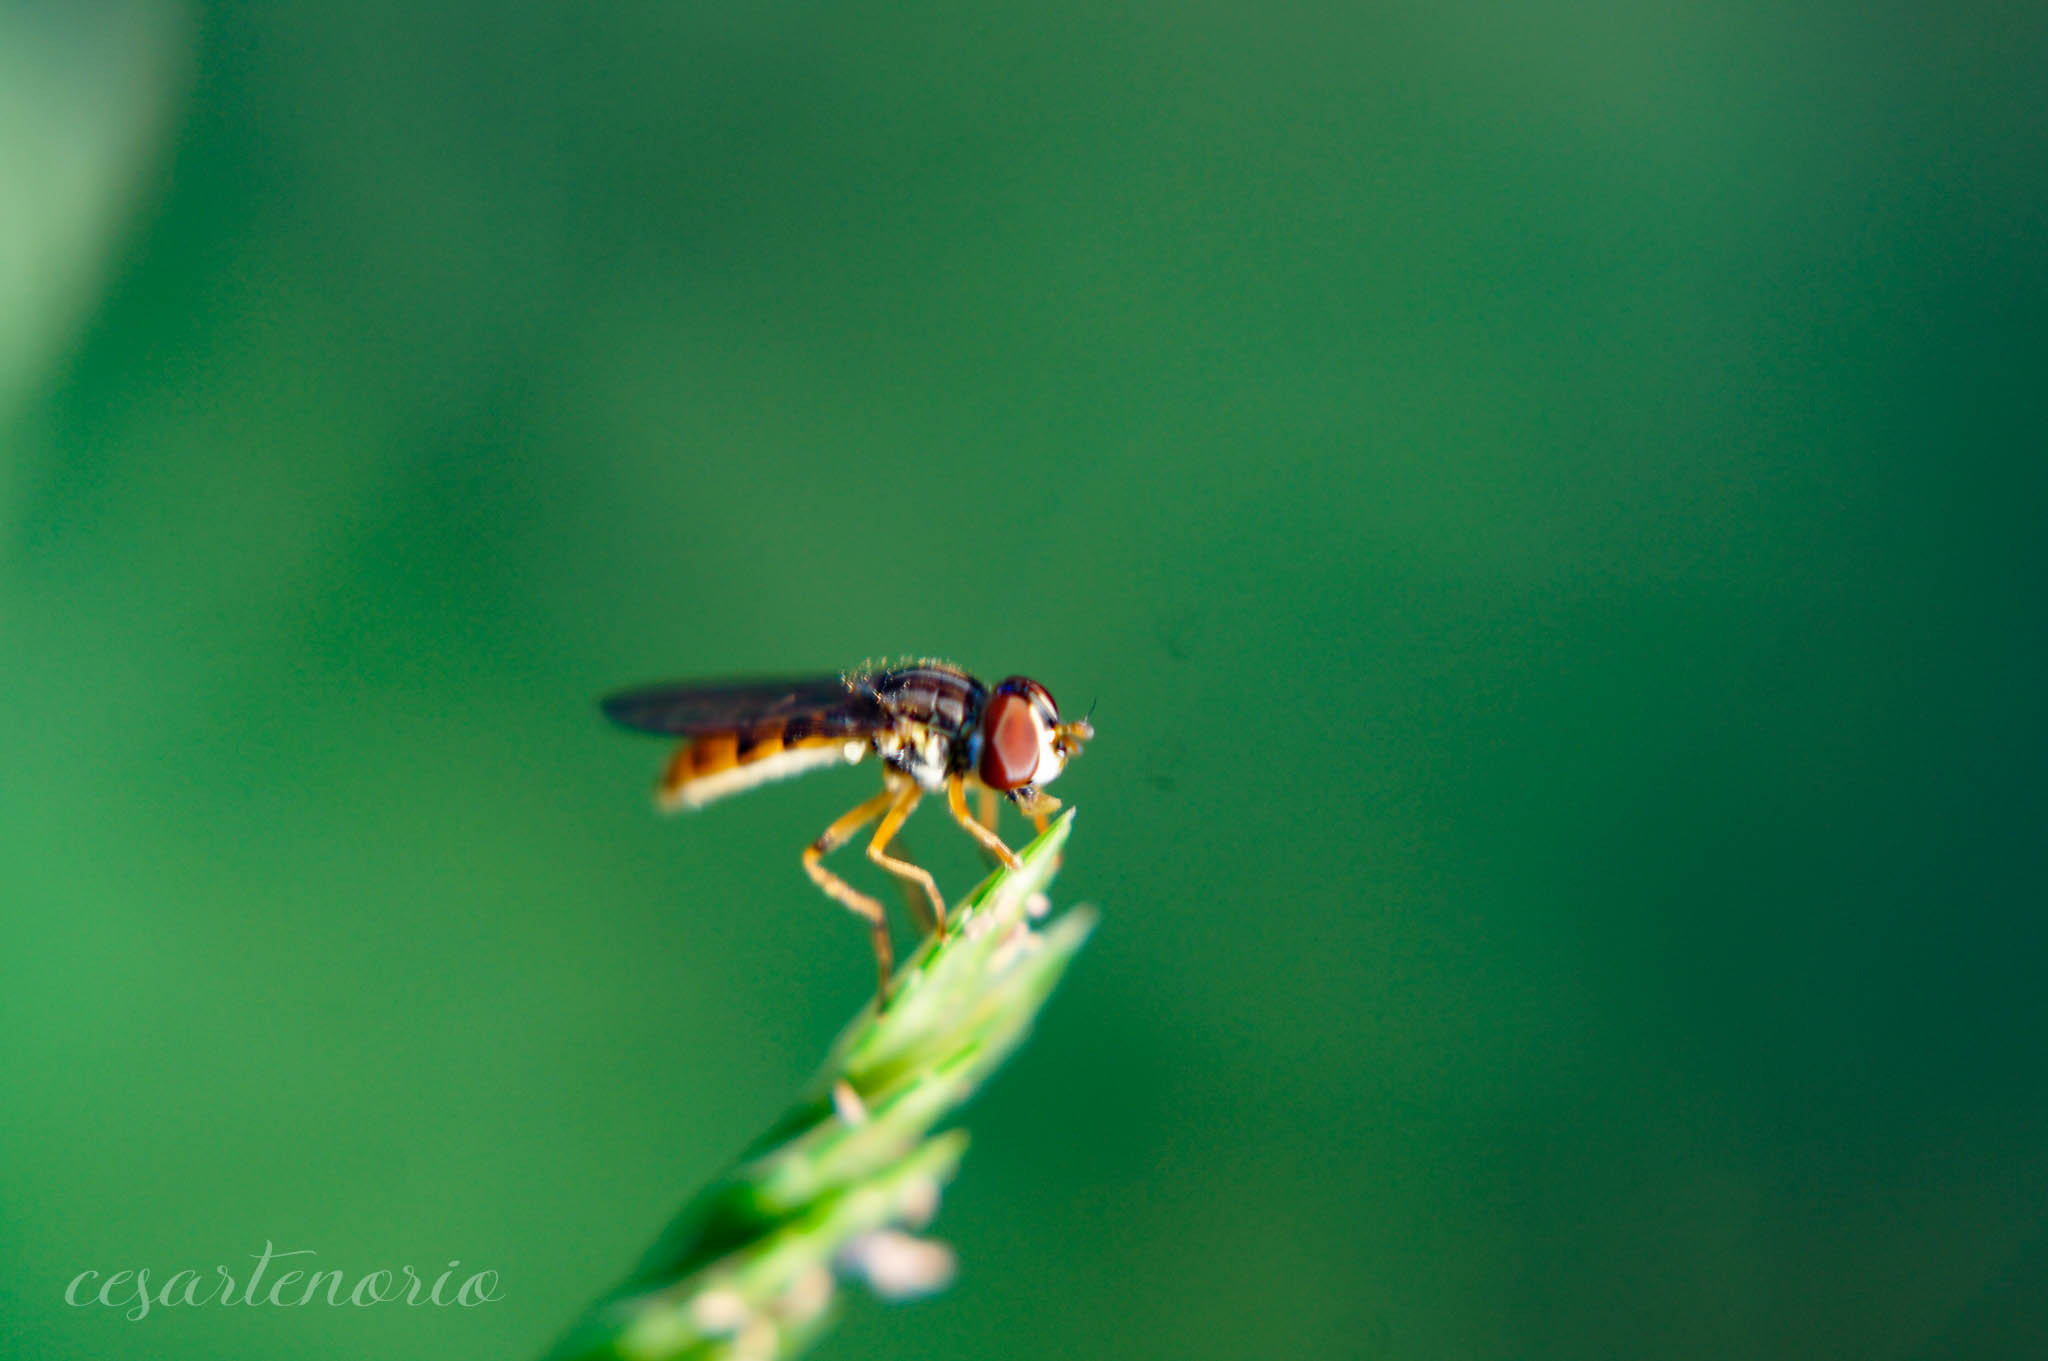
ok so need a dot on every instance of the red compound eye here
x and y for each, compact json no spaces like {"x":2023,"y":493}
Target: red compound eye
{"x":1009,"y":743}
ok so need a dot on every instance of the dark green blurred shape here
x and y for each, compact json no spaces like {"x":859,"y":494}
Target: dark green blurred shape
{"x":1549,"y":501}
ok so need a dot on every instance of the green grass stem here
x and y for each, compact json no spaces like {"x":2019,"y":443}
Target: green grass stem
{"x":838,"y":1189}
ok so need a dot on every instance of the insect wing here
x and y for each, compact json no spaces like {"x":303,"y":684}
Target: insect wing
{"x":686,"y":708}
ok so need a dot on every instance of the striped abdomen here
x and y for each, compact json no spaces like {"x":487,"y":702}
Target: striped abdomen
{"x":715,"y":764}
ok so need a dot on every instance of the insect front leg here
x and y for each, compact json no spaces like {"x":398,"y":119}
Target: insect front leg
{"x":833,"y":837}
{"x":983,"y":831}
{"x":899,"y":812}
{"x":1039,"y":806}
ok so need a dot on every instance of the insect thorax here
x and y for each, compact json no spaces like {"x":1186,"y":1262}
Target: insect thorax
{"x":931,"y":720}
{"x":925,"y":755}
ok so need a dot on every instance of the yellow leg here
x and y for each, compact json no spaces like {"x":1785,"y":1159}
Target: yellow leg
{"x":1040,"y":807}
{"x":915,"y":900}
{"x":899,"y":812}
{"x":1037,"y":805}
{"x":991,"y":809}
{"x":956,"y":804}
{"x":837,"y":889}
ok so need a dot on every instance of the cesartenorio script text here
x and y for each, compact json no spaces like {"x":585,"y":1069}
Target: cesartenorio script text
{"x":281,"y":1283}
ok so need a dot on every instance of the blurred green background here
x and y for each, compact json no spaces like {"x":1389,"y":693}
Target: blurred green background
{"x":1549,"y":501}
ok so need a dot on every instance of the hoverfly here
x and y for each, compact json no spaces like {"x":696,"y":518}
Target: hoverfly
{"x":933,"y":726}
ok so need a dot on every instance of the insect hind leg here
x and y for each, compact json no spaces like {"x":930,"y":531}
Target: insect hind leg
{"x":832,"y":838}
{"x":905,"y":804}
{"x":916,"y":900}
